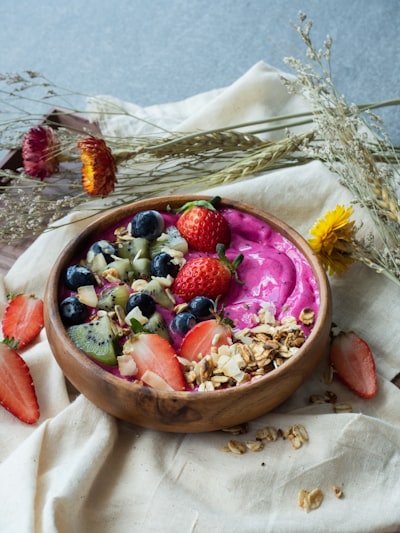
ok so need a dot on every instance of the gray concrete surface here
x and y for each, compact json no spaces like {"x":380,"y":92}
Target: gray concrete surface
{"x":154,"y":51}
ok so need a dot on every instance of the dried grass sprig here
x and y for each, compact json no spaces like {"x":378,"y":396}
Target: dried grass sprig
{"x":260,"y":160}
{"x":357,"y":148}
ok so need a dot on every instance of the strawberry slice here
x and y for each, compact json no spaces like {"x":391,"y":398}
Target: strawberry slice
{"x":23,"y":320}
{"x":154,"y":354}
{"x":353,"y":361}
{"x":199,"y":340}
{"x":17,"y":392}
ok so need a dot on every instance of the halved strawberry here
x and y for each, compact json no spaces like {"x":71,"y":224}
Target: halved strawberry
{"x":155,"y":354}
{"x":352,"y":359}
{"x":17,"y":392}
{"x":203,"y":336}
{"x":23,"y":320}
{"x":203,"y":226}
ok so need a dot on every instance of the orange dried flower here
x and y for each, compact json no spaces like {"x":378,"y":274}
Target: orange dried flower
{"x":99,"y":168}
{"x":40,"y":149}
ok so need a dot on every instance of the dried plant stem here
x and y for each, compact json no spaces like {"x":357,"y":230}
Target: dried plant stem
{"x":258,"y":160}
{"x":204,"y":142}
{"x":384,"y":197}
{"x":357,"y":148}
{"x":180,"y":146}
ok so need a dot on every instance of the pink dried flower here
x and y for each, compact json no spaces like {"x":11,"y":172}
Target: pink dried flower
{"x":40,"y":149}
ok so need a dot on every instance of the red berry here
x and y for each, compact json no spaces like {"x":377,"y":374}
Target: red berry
{"x":353,"y":361}
{"x":203,"y":227}
{"x":154,"y":354}
{"x":17,"y":392}
{"x":201,"y":338}
{"x":206,"y":276}
{"x":202,"y":276}
{"x":23,"y":320}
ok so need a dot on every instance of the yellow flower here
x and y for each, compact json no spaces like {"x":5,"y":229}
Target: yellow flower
{"x":333,"y":239}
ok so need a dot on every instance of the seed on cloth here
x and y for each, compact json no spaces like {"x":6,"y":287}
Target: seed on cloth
{"x":310,"y":500}
{"x":343,"y":408}
{"x":237,"y":430}
{"x":337,"y":491}
{"x":297,"y":435}
{"x":236,"y":447}
{"x":254,"y":445}
{"x":268,"y":433}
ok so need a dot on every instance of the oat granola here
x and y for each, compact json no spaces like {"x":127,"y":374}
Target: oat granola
{"x":310,"y":500}
{"x":254,"y":352}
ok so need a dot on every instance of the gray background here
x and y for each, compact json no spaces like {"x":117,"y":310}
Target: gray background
{"x":154,"y":51}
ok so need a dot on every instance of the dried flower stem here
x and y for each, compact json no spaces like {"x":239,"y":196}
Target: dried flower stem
{"x":358,"y":151}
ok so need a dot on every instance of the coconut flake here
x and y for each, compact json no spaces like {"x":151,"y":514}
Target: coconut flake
{"x":156,"y":382}
{"x":126,"y":365}
{"x":137,"y":314}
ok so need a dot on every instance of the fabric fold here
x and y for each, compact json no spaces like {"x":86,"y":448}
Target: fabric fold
{"x":79,"y":469}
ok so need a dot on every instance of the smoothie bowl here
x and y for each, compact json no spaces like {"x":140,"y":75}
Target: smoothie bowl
{"x":187,"y":314}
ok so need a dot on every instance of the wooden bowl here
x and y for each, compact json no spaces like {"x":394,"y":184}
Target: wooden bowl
{"x":183,"y":412}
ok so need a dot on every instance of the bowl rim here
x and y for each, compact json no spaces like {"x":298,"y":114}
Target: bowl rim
{"x":100,"y":224}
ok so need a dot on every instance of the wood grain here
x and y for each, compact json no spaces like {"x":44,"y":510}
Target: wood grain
{"x":9,"y":254}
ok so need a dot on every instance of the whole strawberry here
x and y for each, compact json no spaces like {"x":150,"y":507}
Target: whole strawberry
{"x":203,"y":226}
{"x":206,"y":276}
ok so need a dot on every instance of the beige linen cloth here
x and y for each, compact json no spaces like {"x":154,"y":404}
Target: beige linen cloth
{"x":79,"y":470}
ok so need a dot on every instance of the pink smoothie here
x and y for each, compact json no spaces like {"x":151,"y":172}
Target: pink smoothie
{"x":273,"y":271}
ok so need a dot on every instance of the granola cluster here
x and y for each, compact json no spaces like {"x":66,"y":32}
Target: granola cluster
{"x":253,"y":353}
{"x":296,"y":434}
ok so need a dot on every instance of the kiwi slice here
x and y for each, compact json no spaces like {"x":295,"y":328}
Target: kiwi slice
{"x":171,"y":239}
{"x":123,"y":268}
{"x":157,"y":291}
{"x":138,"y":246}
{"x":97,"y":339}
{"x":157,"y":324}
{"x":141,"y":268}
{"x":112,"y":296}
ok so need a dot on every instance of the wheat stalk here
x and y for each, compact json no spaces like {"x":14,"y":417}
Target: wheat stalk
{"x":258,"y":160}
{"x":385,"y":197}
{"x":192,"y":144}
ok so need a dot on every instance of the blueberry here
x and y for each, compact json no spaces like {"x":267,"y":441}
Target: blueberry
{"x":201,"y":307}
{"x":147,"y":224}
{"x":142,"y":300}
{"x":183,"y":322}
{"x":102,"y":247}
{"x":72,"y":311}
{"x":162,"y":265}
{"x":77,"y":276}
